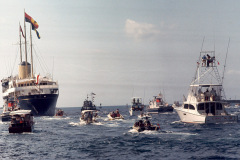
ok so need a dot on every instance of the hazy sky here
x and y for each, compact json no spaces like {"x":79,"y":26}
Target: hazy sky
{"x":123,"y":48}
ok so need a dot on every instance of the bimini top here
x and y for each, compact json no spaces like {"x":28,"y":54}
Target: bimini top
{"x":20,"y":112}
{"x":204,"y":85}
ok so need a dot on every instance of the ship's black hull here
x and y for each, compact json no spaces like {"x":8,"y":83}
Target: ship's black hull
{"x":40,"y":105}
{"x":162,"y":109}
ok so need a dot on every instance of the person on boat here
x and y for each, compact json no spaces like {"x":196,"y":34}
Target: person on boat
{"x":208,"y":60}
{"x":147,"y":123}
{"x":204,"y":58}
{"x":141,"y":124}
{"x":133,"y":100}
{"x":117,"y":113}
{"x":207,"y":95}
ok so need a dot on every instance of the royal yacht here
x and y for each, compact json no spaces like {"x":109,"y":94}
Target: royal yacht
{"x":30,"y":91}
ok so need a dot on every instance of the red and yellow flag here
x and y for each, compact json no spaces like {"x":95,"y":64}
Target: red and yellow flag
{"x":32,"y":21}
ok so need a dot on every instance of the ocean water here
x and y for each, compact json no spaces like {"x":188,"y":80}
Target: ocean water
{"x":67,"y":138}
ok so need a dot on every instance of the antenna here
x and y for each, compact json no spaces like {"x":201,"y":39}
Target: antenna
{"x":225,"y":60}
{"x":53,"y":68}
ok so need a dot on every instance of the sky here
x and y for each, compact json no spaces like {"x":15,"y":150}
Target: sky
{"x":119,"y":49}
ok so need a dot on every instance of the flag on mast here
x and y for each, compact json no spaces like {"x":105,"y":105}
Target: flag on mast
{"x":37,"y":34}
{"x":22,"y":31}
{"x":32,"y":21}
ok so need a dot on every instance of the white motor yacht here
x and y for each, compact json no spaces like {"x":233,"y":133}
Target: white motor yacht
{"x":205,"y":101}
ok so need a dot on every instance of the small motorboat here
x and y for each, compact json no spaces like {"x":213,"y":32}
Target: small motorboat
{"x":59,"y":113}
{"x":22,"y":121}
{"x":146,"y":125}
{"x":89,"y":116}
{"x":145,"y":115}
{"x":137,"y":107}
{"x":115,"y":115}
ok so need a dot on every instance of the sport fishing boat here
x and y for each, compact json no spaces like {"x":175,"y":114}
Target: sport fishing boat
{"x":89,"y":104}
{"x":205,"y":101}
{"x":159,"y":105}
{"x":115,"y":115}
{"x":32,"y":91}
{"x":22,"y":121}
{"x":137,"y":107}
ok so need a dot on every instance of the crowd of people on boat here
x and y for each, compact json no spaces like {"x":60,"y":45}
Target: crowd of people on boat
{"x":115,"y":114}
{"x":143,"y":124}
{"x":208,"y":95}
{"x":206,"y":60}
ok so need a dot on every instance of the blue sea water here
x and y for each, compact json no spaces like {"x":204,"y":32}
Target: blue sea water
{"x":67,"y":138}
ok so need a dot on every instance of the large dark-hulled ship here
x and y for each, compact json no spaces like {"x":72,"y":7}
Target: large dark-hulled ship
{"x":31,"y":92}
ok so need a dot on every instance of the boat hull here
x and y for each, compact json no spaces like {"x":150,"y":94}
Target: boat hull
{"x":141,"y":129}
{"x":187,"y":117}
{"x":160,"y":109}
{"x":40,"y":105}
{"x":135,"y":113}
{"x":115,"y":118}
{"x":20,"y":128}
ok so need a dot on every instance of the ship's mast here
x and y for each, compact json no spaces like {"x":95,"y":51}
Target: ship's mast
{"x":25,"y":40}
{"x":20,"y":43}
{"x":31,"y":50}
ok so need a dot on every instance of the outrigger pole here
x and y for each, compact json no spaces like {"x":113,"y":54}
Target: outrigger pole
{"x":225,"y":60}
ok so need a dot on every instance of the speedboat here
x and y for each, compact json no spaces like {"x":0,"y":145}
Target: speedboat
{"x":115,"y":115}
{"x":144,"y":115}
{"x":137,"y":107}
{"x":159,"y":105}
{"x":146,"y":125}
{"x":89,"y":116}
{"x":205,"y":101}
{"x":22,"y":121}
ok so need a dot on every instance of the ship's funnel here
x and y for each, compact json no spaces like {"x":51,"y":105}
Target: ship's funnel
{"x":24,"y":70}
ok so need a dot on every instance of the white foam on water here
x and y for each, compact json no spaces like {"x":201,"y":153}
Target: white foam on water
{"x":76,"y":124}
{"x":133,"y":131}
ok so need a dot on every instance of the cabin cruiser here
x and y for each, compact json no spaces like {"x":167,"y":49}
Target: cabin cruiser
{"x":137,"y":107}
{"x":159,"y":105}
{"x":9,"y":106}
{"x":141,"y":125}
{"x":115,"y":115}
{"x":22,"y":121}
{"x":88,"y":104}
{"x":89,"y":116}
{"x":205,"y":101}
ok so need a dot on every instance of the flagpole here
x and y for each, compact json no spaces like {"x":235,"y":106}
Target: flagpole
{"x":25,"y":43}
{"x":20,"y":43}
{"x":31,"y":50}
